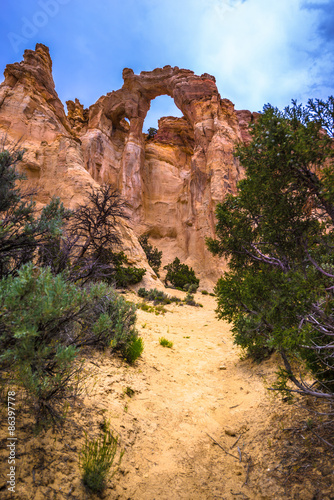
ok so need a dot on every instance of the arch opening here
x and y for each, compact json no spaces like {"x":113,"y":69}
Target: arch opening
{"x":162,"y":105}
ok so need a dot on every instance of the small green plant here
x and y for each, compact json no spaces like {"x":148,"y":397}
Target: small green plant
{"x":189,"y":299}
{"x":142,"y":292}
{"x":204,"y":292}
{"x":144,"y":307}
{"x":133,"y":349}
{"x":159,"y":309}
{"x":165,"y":343}
{"x":309,"y":423}
{"x":104,"y":426}
{"x":281,"y":385}
{"x":193,"y":288}
{"x":129,"y":392}
{"x":96,"y":459}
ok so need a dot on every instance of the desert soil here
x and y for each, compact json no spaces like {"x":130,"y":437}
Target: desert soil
{"x":199,"y":425}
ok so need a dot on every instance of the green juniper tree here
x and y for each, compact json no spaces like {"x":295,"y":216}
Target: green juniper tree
{"x":180,"y":275}
{"x":153,"y":255}
{"x":151,"y":132}
{"x":277,"y":234}
{"x":22,"y":229}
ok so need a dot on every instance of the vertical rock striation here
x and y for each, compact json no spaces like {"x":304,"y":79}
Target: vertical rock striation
{"x":172,"y":182}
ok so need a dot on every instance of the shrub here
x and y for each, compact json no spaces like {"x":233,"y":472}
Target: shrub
{"x":145,"y":307}
{"x":157,"y":296}
{"x":204,"y":292}
{"x":96,"y":459}
{"x":165,"y":343}
{"x":142,"y":292}
{"x":189,"y":300}
{"x":46,"y":322}
{"x":40,"y":313}
{"x":158,"y":309}
{"x":180,"y":275}
{"x":22,"y":229}
{"x":133,"y":349}
{"x":84,"y":248}
{"x":54,"y":309}
{"x":124,"y":276}
{"x":151,"y":132}
{"x":111,"y":321}
{"x":152,"y":254}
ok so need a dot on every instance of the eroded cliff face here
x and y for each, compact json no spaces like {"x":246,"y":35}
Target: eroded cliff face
{"x":172,"y":182}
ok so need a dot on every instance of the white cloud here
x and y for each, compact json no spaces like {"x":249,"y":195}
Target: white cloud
{"x":260,"y":51}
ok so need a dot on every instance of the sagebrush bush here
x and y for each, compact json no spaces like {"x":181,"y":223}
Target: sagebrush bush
{"x":189,"y":299}
{"x":157,"y":296}
{"x":192,"y":288}
{"x":39,"y":316}
{"x":112,"y":321}
{"x":46,"y":322}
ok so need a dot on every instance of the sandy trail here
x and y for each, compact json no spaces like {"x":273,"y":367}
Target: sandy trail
{"x":184,"y":397}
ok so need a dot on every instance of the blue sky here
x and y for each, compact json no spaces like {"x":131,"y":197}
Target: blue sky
{"x":260,"y":51}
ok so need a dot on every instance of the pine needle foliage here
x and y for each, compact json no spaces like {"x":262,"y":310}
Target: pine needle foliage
{"x":180,"y":275}
{"x":277,"y":235}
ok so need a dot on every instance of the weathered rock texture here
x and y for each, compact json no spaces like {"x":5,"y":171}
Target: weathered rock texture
{"x":172,"y":182}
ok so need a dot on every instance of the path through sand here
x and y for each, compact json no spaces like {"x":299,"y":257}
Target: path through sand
{"x":185,"y":399}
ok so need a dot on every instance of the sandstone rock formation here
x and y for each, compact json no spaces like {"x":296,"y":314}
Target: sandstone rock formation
{"x":171,"y":182}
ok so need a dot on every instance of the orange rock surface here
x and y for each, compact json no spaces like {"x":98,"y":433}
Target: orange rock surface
{"x":172,"y":182}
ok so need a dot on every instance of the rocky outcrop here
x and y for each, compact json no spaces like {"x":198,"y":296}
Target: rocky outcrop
{"x":32,"y":117}
{"x":172,"y":182}
{"x":246,"y":118}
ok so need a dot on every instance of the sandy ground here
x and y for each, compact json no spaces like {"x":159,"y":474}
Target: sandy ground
{"x":200,"y":424}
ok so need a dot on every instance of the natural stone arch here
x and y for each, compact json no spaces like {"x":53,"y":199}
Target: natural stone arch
{"x":133,"y":99}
